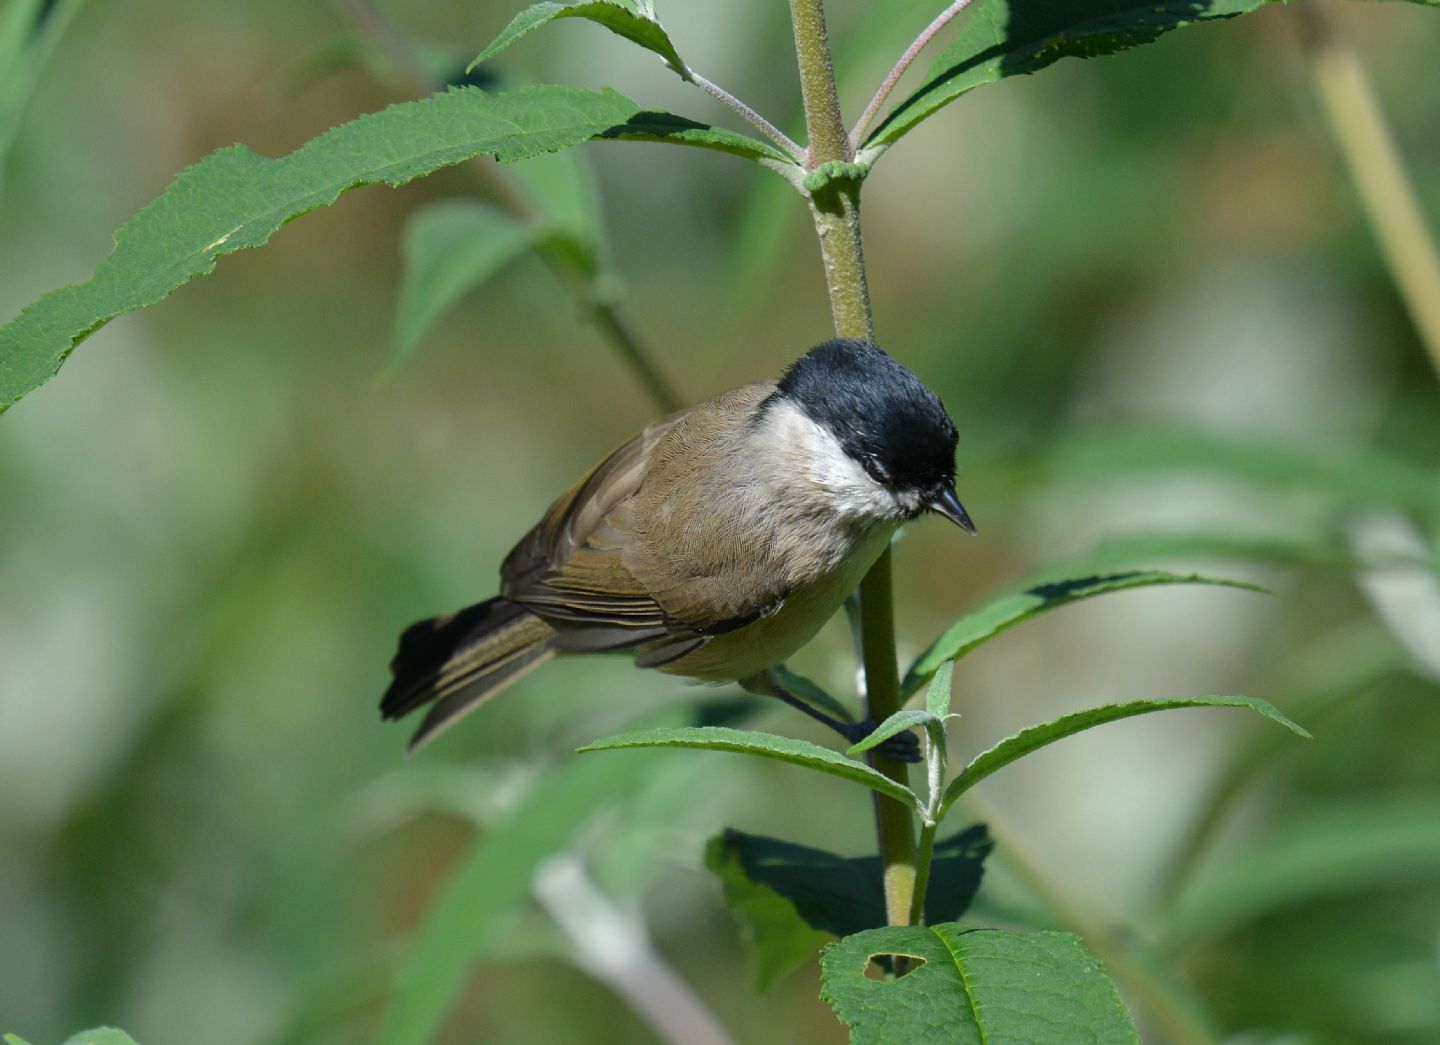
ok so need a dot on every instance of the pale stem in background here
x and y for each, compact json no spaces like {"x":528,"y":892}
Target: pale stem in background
{"x":941,"y":21}
{"x":1403,"y":592}
{"x":1349,"y":101}
{"x":615,"y":948}
{"x":604,"y":314}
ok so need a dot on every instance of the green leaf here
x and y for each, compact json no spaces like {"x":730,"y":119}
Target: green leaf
{"x":1009,"y":610}
{"x":620,"y":18}
{"x":30,"y":30}
{"x":792,"y":898}
{"x":655,"y":126}
{"x":491,"y":882}
{"x":1036,"y":737}
{"x":777,"y":935}
{"x":937,"y":700}
{"x":235,"y":199}
{"x":560,"y":186}
{"x":798,"y":685}
{"x":1313,"y":550}
{"x":896,"y":723}
{"x":15,"y":1039}
{"x":1009,"y":37}
{"x":980,"y":985}
{"x":819,"y":179}
{"x":1328,"y":852}
{"x":101,"y":1036}
{"x":1348,"y":475}
{"x":767,"y":745}
{"x":450,"y":248}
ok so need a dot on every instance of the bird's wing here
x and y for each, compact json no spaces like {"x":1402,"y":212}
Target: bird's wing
{"x":594,"y":563}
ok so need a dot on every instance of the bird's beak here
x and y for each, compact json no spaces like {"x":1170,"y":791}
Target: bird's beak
{"x":948,"y":505}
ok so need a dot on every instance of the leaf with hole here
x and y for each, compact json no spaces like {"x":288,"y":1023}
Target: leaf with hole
{"x":766,"y":745}
{"x":793,"y":898}
{"x":450,"y":247}
{"x":623,"y":19}
{"x":1036,"y":737}
{"x":973,"y":986}
{"x":1009,"y":610}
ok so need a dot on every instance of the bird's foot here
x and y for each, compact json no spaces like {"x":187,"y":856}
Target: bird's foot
{"x":903,"y":746}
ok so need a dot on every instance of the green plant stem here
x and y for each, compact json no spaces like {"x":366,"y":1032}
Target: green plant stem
{"x":836,"y":210}
{"x":936,"y":741}
{"x":894,"y":823}
{"x":598,"y":306}
{"x":1348,"y":98}
{"x":924,"y":858}
{"x":1176,"y":1015}
{"x":824,"y":123}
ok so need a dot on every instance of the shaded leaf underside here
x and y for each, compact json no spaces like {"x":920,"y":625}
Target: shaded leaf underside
{"x":1002,"y":38}
{"x":793,"y":898}
{"x":1011,"y":37}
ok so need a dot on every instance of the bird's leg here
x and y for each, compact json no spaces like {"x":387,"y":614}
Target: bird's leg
{"x":902,"y":746}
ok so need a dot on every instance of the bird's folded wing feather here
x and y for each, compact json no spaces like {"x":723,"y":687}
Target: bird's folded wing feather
{"x":588,"y":564}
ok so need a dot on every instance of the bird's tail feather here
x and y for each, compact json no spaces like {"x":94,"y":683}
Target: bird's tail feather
{"x":462,"y":659}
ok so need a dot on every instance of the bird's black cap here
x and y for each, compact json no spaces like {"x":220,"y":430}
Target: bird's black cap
{"x":879,"y":411}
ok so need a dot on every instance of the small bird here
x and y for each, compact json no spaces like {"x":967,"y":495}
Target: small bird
{"x":713,"y":545}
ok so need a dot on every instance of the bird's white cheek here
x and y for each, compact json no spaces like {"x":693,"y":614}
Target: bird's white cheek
{"x":850,"y":487}
{"x":845,"y":486}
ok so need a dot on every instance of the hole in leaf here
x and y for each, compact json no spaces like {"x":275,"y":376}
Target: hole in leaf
{"x":882,"y":967}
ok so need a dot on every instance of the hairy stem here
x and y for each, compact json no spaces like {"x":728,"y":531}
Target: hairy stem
{"x":935,"y":755}
{"x":765,"y":127}
{"x":857,"y":136}
{"x":602,"y":311}
{"x":1364,"y":138}
{"x":823,"y":122}
{"x":894,"y":823}
{"x":836,"y":210}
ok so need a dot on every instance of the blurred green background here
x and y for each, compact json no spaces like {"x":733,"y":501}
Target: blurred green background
{"x":1144,"y":289}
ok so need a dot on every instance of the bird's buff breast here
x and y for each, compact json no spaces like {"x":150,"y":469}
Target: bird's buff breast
{"x":772,"y":639}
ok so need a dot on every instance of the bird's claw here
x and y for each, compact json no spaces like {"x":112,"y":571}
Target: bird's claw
{"x":902,"y":747}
